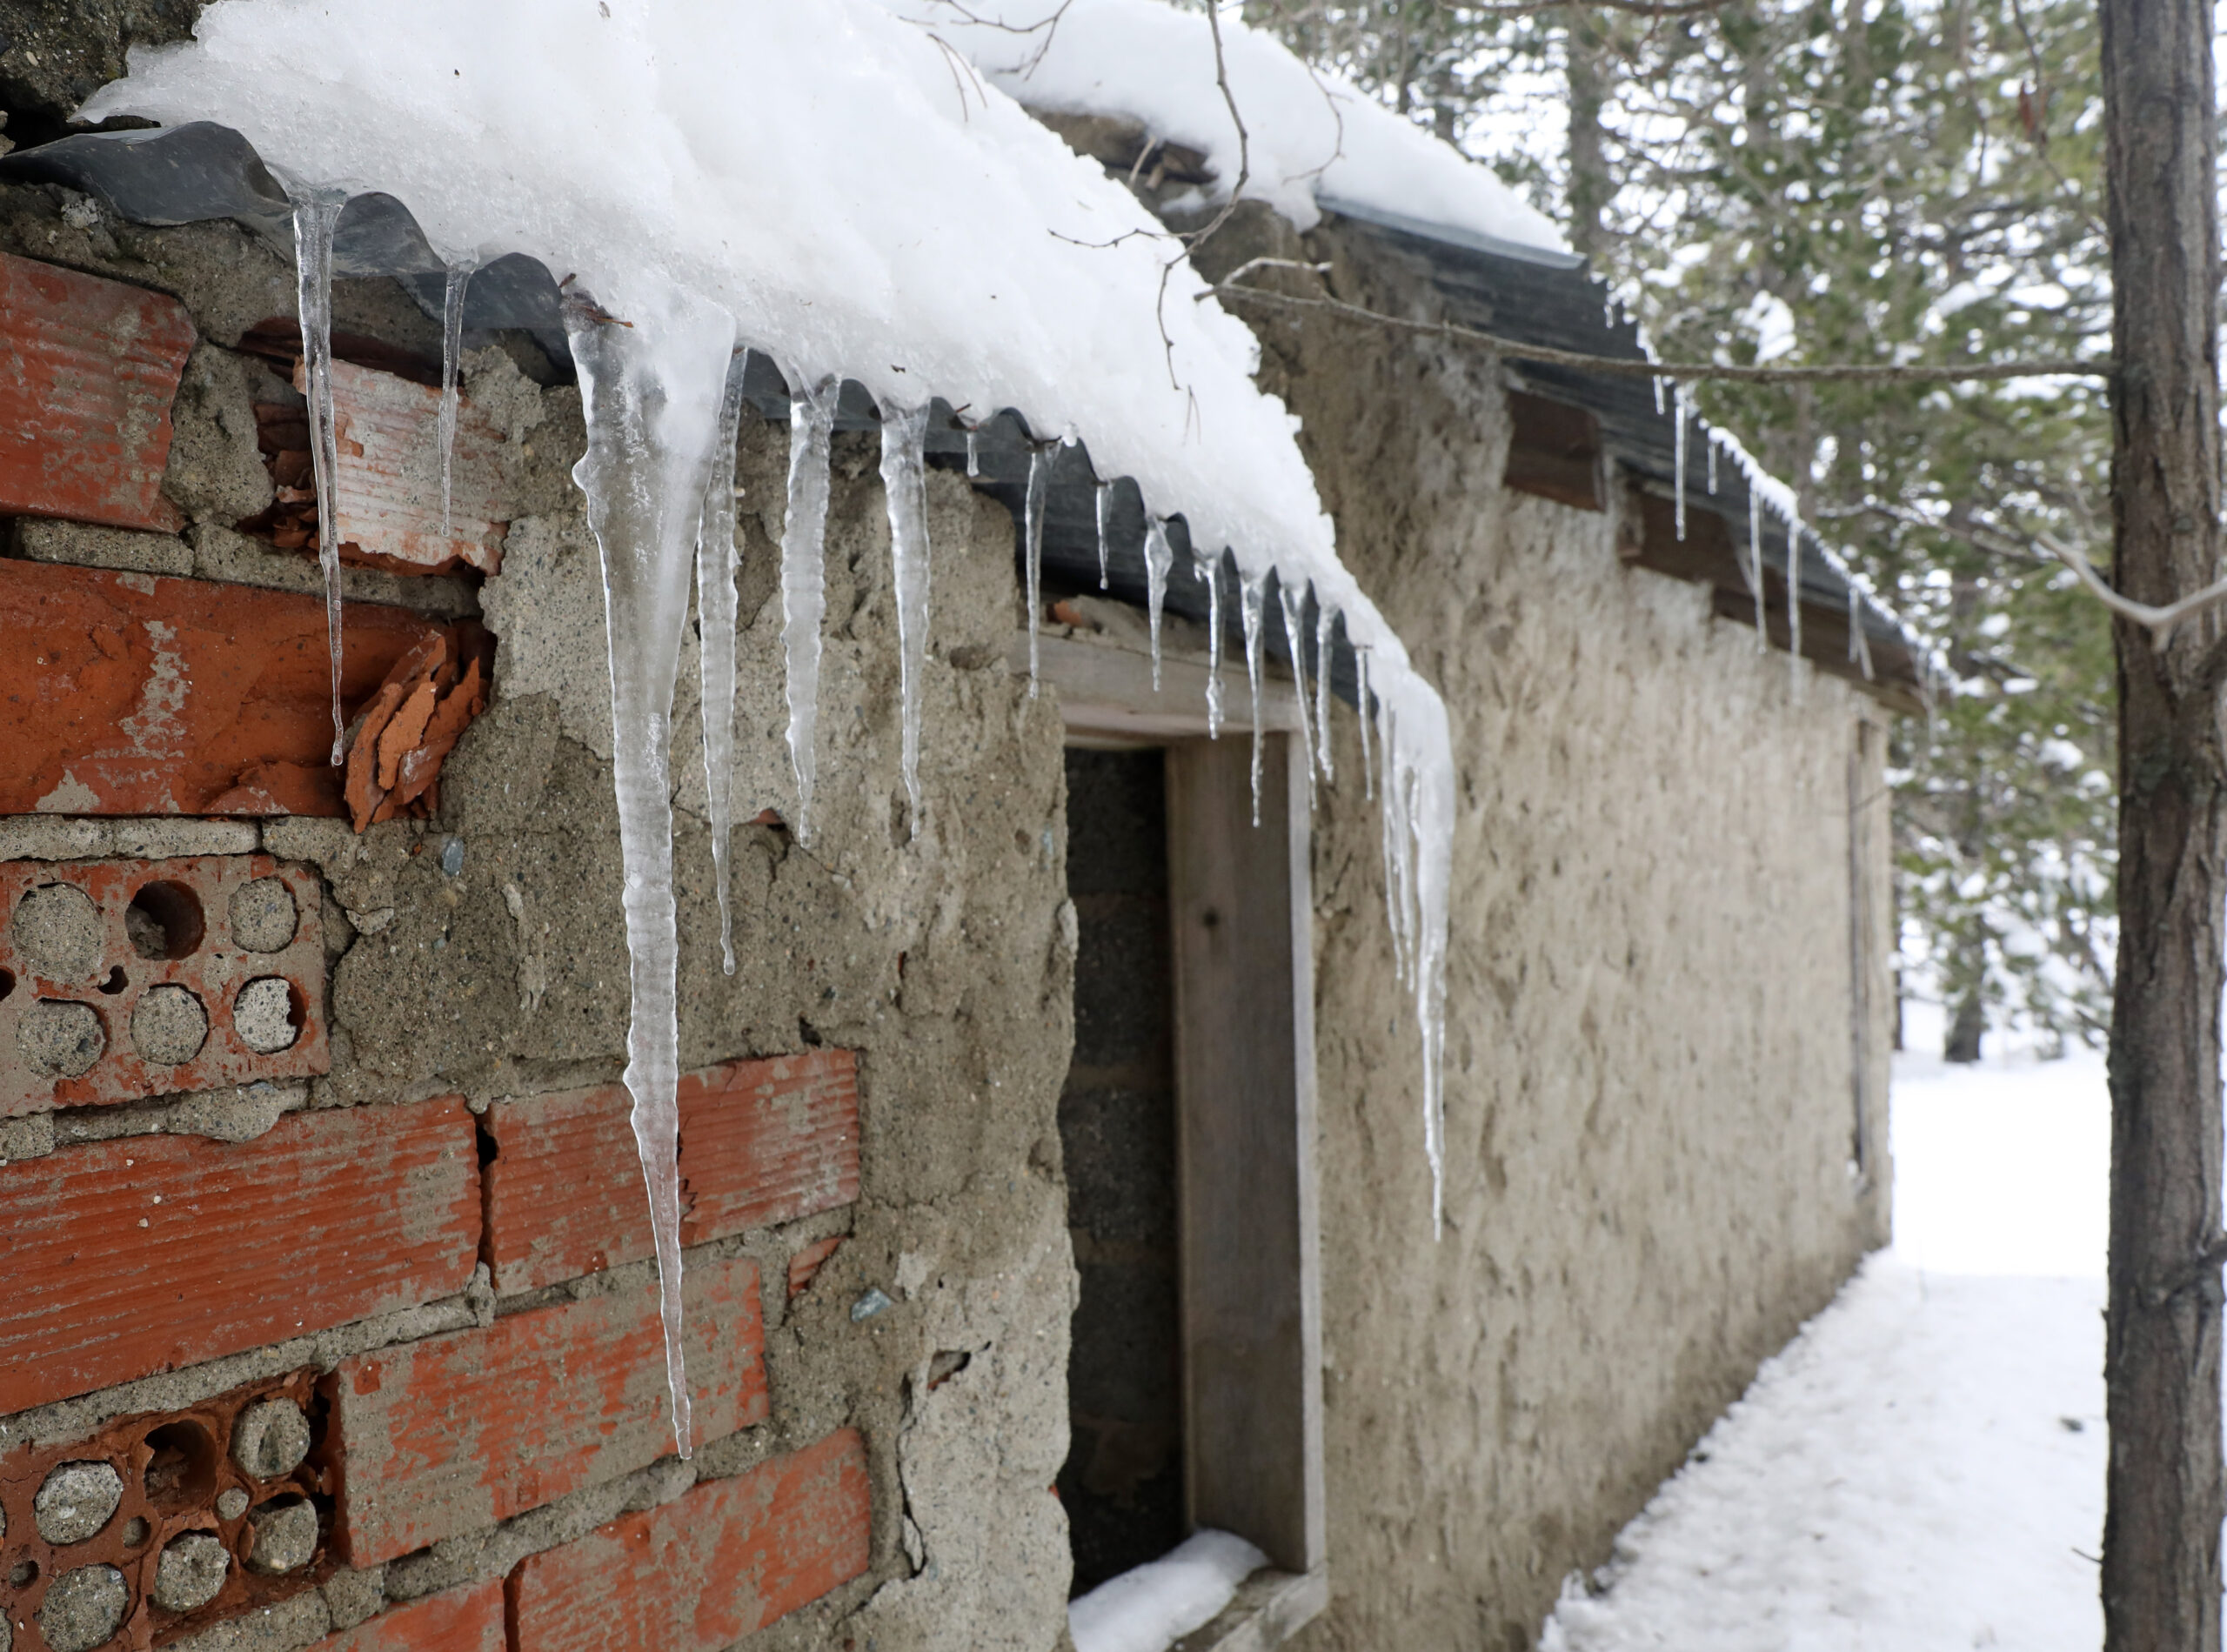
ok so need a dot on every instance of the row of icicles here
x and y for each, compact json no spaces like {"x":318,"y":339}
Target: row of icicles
{"x":608,"y":358}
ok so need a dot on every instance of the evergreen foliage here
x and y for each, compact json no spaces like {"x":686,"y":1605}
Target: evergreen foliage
{"x":1823,"y":181}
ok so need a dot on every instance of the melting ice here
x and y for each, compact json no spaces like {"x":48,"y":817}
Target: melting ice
{"x":804,"y":577}
{"x":904,"y":481}
{"x":315,"y":214}
{"x":716,"y":563}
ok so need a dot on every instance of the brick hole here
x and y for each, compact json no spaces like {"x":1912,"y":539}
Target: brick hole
{"x":164,"y":920}
{"x":269,"y":1014}
{"x":22,"y":1575}
{"x":182,"y":1472}
{"x":136,"y":1532}
{"x":7,"y":982}
{"x":116,"y":981}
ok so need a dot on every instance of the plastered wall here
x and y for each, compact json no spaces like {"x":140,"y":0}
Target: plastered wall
{"x":1650,"y":1056}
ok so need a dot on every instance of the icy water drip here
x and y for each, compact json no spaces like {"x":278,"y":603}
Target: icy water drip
{"x":1368,"y":713}
{"x":1208,"y":571}
{"x":1712,"y":442}
{"x":1039,"y":485}
{"x":1859,"y":645}
{"x":652,"y":391}
{"x":904,"y":485}
{"x":1324,"y":619}
{"x":1678,"y":461}
{"x":718,"y":559}
{"x":1105,"y":508}
{"x":1294,"y":611}
{"x":1756,"y":564}
{"x":1160,"y":557}
{"x":804,"y":577}
{"x":973,"y":456}
{"x":1793,"y":597}
{"x":316,"y":213}
{"x":1252,"y":597}
{"x":452,"y":289}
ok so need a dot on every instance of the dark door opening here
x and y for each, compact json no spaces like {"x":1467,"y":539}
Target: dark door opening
{"x":1122,"y":1485}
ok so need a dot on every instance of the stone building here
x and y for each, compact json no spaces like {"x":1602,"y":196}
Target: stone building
{"x":1055,"y":1182}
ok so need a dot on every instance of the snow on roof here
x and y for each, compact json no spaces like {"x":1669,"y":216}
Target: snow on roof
{"x":1315,"y":139}
{"x":827,"y":184}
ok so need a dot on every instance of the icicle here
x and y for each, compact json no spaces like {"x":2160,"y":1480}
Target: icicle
{"x":653,"y":393}
{"x":315,"y":216}
{"x":1658,"y":395}
{"x":1368,"y":715}
{"x":1793,"y":597}
{"x":1039,"y":487}
{"x":1160,"y":557}
{"x":804,"y":577}
{"x":905,"y":484}
{"x":1755,"y":566}
{"x":1859,"y":645}
{"x":974,"y":457}
{"x":1104,"y":510}
{"x":1712,"y":464}
{"x":1252,"y":597}
{"x":1678,"y":447}
{"x":1323,"y":620}
{"x":452,"y":288}
{"x":716,"y":563}
{"x":1208,"y":572}
{"x":1294,"y":607}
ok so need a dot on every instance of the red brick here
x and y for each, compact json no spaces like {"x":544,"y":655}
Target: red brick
{"x":727,"y":1559}
{"x":87,"y":370}
{"x":124,"y":693}
{"x":213,"y":968}
{"x":125,"y":1258}
{"x":760,"y":1142}
{"x":804,"y":1266}
{"x":460,"y":1431}
{"x":385,"y":430}
{"x":457,"y":1620}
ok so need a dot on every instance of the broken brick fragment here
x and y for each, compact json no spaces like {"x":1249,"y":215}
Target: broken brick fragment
{"x":412,"y":724}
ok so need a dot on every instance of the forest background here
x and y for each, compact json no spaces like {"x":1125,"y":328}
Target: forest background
{"x":1861,"y":181}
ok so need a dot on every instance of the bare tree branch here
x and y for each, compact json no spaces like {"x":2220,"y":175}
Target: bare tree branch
{"x":2161,"y":623}
{"x":1686,"y":371}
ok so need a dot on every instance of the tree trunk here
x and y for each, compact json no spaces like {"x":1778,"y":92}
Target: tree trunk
{"x":1589,"y":184}
{"x":2161,"y":1577}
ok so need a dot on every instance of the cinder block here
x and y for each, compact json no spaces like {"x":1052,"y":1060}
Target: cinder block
{"x":725,"y":1559}
{"x":121,"y":979}
{"x":129,"y":693}
{"x":129,"y":1257}
{"x":460,"y":1431}
{"x":172,"y":1478}
{"x":87,"y":370}
{"x":760,"y":1142}
{"x":457,"y":1620}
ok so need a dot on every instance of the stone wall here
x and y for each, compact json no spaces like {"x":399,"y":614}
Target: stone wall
{"x":1650,"y":1085}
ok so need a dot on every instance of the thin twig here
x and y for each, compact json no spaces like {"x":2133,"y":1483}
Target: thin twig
{"x":1251,"y":264}
{"x":1517,"y":350}
{"x":1244,"y":139}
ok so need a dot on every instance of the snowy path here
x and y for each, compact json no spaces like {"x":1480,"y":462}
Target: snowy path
{"x":1923,"y":1467}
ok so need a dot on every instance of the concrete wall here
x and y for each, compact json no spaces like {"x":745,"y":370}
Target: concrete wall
{"x":477,"y":965}
{"x":1650,"y":1055}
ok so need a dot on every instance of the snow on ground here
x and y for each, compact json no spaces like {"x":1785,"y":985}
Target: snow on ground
{"x":1922,"y":1466}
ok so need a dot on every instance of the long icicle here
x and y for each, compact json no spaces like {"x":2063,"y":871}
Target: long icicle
{"x":1160,"y":557}
{"x":452,"y":289}
{"x":1208,"y":572}
{"x":1368,"y":715}
{"x":1793,"y":597}
{"x":652,"y":393}
{"x":1294,"y":611}
{"x":1756,"y":568}
{"x":904,"y":485}
{"x":1859,"y":645}
{"x":315,"y":214}
{"x":1105,"y":511}
{"x":1678,"y":463}
{"x":804,"y":577}
{"x":1253,"y":599}
{"x":1039,"y":485}
{"x":1324,"y":619}
{"x":717,"y":561}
